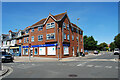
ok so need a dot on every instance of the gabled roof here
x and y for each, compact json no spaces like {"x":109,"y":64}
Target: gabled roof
{"x":39,"y":22}
{"x":59,"y":16}
{"x":56,"y":18}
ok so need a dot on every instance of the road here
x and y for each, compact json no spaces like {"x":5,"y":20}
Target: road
{"x":82,"y":68}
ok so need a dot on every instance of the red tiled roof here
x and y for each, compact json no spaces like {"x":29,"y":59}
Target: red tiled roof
{"x":57,"y":17}
{"x":39,"y":22}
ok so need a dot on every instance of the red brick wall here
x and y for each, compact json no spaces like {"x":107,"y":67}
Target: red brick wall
{"x":73,"y":43}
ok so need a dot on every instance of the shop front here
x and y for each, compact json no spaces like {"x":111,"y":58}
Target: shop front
{"x":16,"y":50}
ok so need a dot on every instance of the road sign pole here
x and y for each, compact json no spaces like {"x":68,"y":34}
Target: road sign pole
{"x":29,"y":51}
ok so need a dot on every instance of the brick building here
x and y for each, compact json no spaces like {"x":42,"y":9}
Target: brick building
{"x":54,"y":36}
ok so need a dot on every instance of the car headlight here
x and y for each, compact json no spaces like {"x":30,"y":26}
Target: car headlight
{"x":3,"y":57}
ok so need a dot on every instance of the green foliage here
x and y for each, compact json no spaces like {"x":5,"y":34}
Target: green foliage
{"x":89,"y":43}
{"x":102,"y":46}
{"x":112,"y":46}
{"x":117,"y":41}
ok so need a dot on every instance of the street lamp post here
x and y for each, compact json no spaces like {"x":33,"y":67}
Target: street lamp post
{"x":78,"y":38}
{"x":58,"y":46}
{"x":29,"y":51}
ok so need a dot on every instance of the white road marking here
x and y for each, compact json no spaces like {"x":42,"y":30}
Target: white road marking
{"x":79,"y":64}
{"x":82,"y":64}
{"x":33,"y":64}
{"x":97,"y":66}
{"x":90,"y":65}
{"x":116,"y":67}
{"x":108,"y":66}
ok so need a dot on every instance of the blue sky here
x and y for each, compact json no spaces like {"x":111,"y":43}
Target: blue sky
{"x":97,"y":19}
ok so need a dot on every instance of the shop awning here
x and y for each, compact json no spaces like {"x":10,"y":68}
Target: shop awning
{"x":14,"y":47}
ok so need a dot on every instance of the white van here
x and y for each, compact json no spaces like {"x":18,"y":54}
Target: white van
{"x":116,"y":51}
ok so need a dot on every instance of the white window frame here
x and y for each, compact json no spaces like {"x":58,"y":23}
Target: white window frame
{"x":68,"y":37}
{"x":77,"y":38}
{"x":27,"y":40}
{"x":27,"y":31}
{"x":32,"y":30}
{"x":40,"y":37}
{"x":64,"y":36}
{"x":64,"y":25}
{"x":40,"y":28}
{"x":81,"y":39}
{"x":67,"y":26}
{"x":32,"y":39}
{"x":24,"y":40}
{"x":50,"y":25}
{"x":50,"y":35}
{"x":72,"y":37}
{"x":19,"y":40}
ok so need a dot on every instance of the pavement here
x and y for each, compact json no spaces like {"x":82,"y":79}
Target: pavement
{"x":4,"y":70}
{"x":44,"y":59}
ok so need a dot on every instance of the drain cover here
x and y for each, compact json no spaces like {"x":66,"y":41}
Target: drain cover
{"x":72,"y":75}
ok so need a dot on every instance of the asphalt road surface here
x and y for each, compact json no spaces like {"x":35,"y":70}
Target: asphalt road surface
{"x":68,"y":69}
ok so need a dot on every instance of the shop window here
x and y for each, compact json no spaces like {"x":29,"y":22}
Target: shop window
{"x":36,"y":51}
{"x":25,"y":51}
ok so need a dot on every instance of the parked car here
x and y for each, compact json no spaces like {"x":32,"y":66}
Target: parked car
{"x":116,"y":51}
{"x":6,"y":57}
{"x":95,"y":52}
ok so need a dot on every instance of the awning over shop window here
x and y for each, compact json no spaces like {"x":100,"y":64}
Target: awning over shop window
{"x":4,"y":47}
{"x":14,"y":47}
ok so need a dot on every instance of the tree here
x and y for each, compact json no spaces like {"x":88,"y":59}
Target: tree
{"x":117,"y":41}
{"x":102,"y":46}
{"x":112,"y":46}
{"x":89,"y":43}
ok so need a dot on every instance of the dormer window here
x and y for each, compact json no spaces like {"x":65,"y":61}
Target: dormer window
{"x":19,"y":34}
{"x":27,"y":31}
{"x":40,"y":28}
{"x":32,"y":30}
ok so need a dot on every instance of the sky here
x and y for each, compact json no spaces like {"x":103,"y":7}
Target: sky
{"x":97,"y":19}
